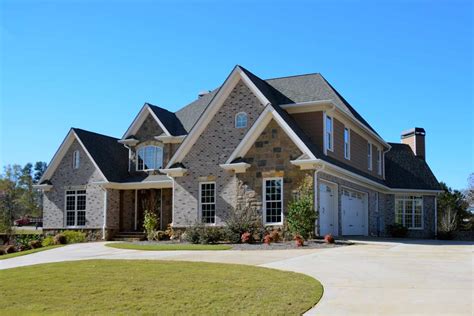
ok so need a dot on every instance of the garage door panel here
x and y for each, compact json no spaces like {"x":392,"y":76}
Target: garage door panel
{"x":354,"y":212}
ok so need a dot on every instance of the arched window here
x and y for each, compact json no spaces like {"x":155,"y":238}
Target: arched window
{"x":149,"y":158}
{"x":241,"y":120}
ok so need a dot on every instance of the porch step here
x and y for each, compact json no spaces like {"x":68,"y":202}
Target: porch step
{"x":129,"y":236}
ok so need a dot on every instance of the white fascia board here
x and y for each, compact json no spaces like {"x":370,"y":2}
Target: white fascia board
{"x":130,"y":142}
{"x":418,"y":191}
{"x":239,"y":167}
{"x":235,"y":76}
{"x":140,"y":118}
{"x":61,"y":152}
{"x":170,"y":139}
{"x":306,"y":164}
{"x":138,"y":185}
{"x":308,"y":106}
{"x":43,"y":187}
{"x":257,"y":128}
{"x":174,"y":172}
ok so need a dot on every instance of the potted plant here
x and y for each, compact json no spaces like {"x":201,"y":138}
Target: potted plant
{"x":329,"y":239}
{"x":267,"y":240}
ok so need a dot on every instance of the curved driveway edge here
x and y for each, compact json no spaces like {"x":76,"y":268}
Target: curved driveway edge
{"x":374,"y":278}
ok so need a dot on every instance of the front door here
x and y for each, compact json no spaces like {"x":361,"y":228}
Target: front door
{"x":328,"y":223}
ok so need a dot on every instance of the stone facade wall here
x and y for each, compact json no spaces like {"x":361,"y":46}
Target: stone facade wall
{"x":269,"y":157}
{"x":213,"y":147}
{"x":65,"y":177}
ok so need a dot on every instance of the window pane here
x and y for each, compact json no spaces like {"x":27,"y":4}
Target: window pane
{"x":273,"y":201}
{"x":409,"y":213}
{"x":418,"y":217}
{"x":208,"y":203}
{"x":81,"y":202}
{"x":399,"y":211}
{"x":70,"y":218}
{"x":241,"y":120}
{"x":70,"y":202}
{"x":81,"y":218}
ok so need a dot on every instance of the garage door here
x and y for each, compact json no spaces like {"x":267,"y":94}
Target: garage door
{"x":327,"y":209}
{"x":354,"y":212}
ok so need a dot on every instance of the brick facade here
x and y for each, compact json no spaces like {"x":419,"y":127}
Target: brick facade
{"x":213,"y":147}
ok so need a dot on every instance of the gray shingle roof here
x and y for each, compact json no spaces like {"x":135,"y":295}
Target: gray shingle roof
{"x":169,"y":120}
{"x":404,"y":170}
{"x":191,"y":112}
{"x":110,"y":156}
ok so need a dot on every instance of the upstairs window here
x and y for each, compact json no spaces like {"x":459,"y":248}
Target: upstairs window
{"x":409,"y":211}
{"x":369,"y":156}
{"x":76,"y":159}
{"x":149,"y":158}
{"x":241,"y":120}
{"x":347,"y":143}
{"x":379,"y":161}
{"x":328,"y":134}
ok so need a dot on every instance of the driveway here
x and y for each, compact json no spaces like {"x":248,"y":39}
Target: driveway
{"x":374,"y":278}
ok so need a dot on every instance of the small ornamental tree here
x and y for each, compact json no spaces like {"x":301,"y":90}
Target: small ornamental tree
{"x":150,"y":222}
{"x":301,"y":214}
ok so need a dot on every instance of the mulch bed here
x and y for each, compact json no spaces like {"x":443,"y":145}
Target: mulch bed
{"x":309,"y":244}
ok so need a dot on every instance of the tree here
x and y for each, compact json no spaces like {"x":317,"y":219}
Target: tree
{"x":453,"y":203}
{"x":40,"y":168}
{"x":469,"y":193}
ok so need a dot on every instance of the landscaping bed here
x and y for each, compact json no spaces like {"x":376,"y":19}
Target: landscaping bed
{"x":155,"y":287}
{"x":27,"y":252}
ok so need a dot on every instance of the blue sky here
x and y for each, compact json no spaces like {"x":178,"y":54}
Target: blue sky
{"x":92,"y":64}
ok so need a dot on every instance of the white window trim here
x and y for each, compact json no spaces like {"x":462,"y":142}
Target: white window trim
{"x":215,"y":202}
{"x":326,"y":145}
{"x":347,"y":154}
{"x":370,"y":156}
{"x":264,"y":199}
{"x":76,"y":159}
{"x":75,"y":207}
{"x":379,"y":161}
{"x":136,"y":158}
{"x":246,"y":120}
{"x":405,"y":198}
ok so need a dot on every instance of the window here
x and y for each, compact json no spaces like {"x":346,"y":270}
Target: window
{"x":75,"y":207}
{"x":328,"y":134}
{"x":76,"y":159}
{"x":241,"y":120}
{"x":149,"y":158}
{"x":379,"y":161}
{"x":347,"y":144}
{"x":369,"y":156}
{"x":273,"y":200}
{"x":207,"y":202}
{"x":409,"y":211}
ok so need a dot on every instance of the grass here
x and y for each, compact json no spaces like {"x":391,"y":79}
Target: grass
{"x":27,"y":252}
{"x":155,"y":287}
{"x":167,"y":247}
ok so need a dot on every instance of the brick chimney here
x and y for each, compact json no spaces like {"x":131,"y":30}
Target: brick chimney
{"x":415,"y":138}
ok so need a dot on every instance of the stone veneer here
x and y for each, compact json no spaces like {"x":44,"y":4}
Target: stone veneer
{"x":212,"y":148}
{"x":269,"y":157}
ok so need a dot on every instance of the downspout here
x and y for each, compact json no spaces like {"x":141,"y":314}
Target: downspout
{"x":129,"y":156}
{"x":316,"y":204}
{"x":105,"y":214}
{"x":436,"y":216}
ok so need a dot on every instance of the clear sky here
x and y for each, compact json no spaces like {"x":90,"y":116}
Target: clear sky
{"x":92,"y":64}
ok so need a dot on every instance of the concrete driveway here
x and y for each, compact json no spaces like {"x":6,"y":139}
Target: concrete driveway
{"x":374,"y":278}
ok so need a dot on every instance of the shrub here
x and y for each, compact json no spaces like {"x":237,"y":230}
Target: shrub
{"x":73,"y":237}
{"x":158,"y":235}
{"x":397,"y":230}
{"x":447,"y":224}
{"x":193,"y":233}
{"x":48,"y":241}
{"x":449,"y":235}
{"x":267,"y":239}
{"x":60,"y":239}
{"x":244,"y":218}
{"x":246,"y":237}
{"x":150,"y":221}
{"x":170,"y":233}
{"x":35,"y":244}
{"x":275,"y":235}
{"x":329,"y":239}
{"x":2,"y":251}
{"x":210,"y":235}
{"x":301,"y":214}
{"x":10,"y":249}
{"x":22,"y":241}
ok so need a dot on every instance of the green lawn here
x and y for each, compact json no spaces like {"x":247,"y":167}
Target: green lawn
{"x":27,"y":252}
{"x":166,"y":247}
{"x":155,"y":287}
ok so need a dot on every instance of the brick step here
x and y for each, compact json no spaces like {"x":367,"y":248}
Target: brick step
{"x":129,"y":236}
{"x":131,"y":233}
{"x":128,"y":239}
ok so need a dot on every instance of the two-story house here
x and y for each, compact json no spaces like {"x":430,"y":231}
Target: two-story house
{"x":249,"y":140}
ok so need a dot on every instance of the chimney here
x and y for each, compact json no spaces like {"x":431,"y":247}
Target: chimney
{"x":415,"y":138}
{"x":203,"y":93}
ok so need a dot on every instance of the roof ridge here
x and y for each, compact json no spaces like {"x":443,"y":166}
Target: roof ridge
{"x":90,"y":132}
{"x":292,"y":76}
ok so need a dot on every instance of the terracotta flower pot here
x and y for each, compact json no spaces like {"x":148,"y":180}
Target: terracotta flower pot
{"x":299,"y":241}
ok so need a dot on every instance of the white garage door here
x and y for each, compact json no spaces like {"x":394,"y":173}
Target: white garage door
{"x":327,"y":209}
{"x":354,"y":213}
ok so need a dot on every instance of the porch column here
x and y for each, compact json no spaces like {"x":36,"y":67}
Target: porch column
{"x":136,"y":207}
